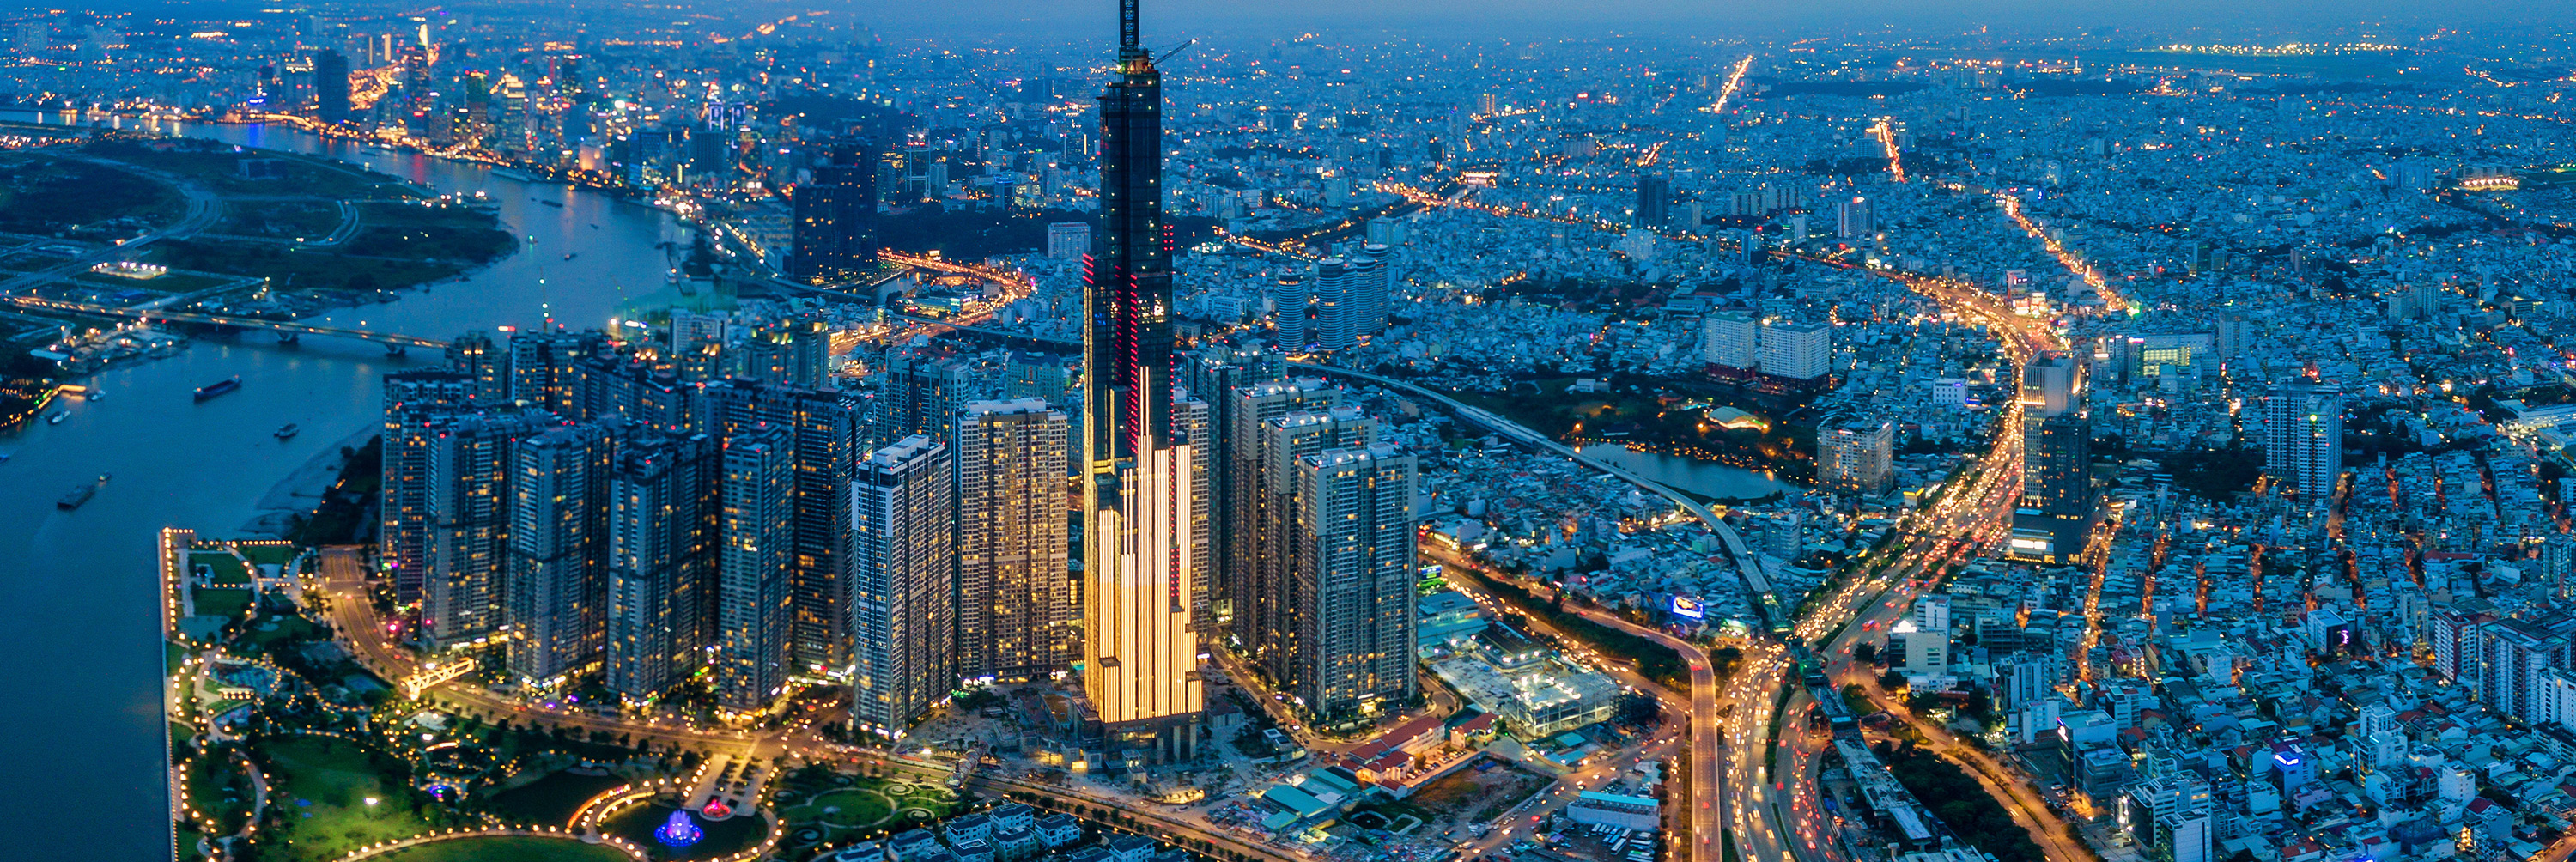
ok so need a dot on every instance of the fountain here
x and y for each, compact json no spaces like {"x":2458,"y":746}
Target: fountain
{"x":680,"y":831}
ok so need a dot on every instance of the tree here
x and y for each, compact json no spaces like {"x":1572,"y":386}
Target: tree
{"x":1891,"y":680}
{"x":1866,"y":653}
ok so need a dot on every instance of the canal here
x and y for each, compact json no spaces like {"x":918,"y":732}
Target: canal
{"x":1690,"y":474}
{"x":82,"y":736}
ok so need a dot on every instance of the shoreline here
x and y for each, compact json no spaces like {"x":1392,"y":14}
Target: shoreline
{"x":300,"y":492}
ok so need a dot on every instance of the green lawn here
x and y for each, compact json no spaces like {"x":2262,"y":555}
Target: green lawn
{"x":223,"y":602}
{"x":550,"y":800}
{"x":322,"y":785}
{"x":842,"y":808}
{"x":42,"y":192}
{"x":217,"y":788}
{"x":301,"y":219}
{"x":281,"y":627}
{"x":506,"y":849}
{"x":225,"y":569}
{"x":279,"y":554}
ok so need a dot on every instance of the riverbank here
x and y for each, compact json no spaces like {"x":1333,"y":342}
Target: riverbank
{"x":300,"y":494}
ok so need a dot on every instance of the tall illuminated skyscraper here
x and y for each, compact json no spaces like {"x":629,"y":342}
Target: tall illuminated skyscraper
{"x":1140,"y":650}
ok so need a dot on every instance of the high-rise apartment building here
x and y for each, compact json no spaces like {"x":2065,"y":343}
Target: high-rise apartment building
{"x":835,"y":230}
{"x":1800,"y":352}
{"x":2303,"y":439}
{"x":663,"y":493}
{"x":545,"y":368}
{"x":919,"y":394}
{"x":1015,"y":611}
{"x":1731,"y":341}
{"x":1245,"y":497}
{"x":556,"y":583}
{"x":468,"y":474}
{"x":756,"y":530}
{"x":1140,"y":650}
{"x":903,"y":586}
{"x":1353,"y":550}
{"x":415,"y":403}
{"x":1274,"y":603}
{"x":822,"y":442}
{"x":1855,"y":219}
{"x":1854,"y":458}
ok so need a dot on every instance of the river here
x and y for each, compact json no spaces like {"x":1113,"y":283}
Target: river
{"x":1690,"y":474}
{"x":81,"y":737}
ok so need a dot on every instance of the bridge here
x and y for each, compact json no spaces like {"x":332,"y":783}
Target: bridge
{"x":287,"y":330}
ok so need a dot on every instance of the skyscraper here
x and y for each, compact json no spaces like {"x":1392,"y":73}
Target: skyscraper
{"x":1273,"y":611}
{"x":1015,"y":613}
{"x":545,"y":368}
{"x":487,"y":365}
{"x":903,"y":588}
{"x":556,"y":586}
{"x":1731,"y":340}
{"x":755,"y":524}
{"x":662,"y":532}
{"x":1140,"y":653}
{"x":416,"y":400}
{"x":468,"y":474}
{"x":1854,"y":458}
{"x":1654,"y":201}
{"x":1353,"y":563}
{"x":835,"y":233}
{"x":918,"y":394}
{"x":822,"y":444}
{"x":1290,"y":299}
{"x":330,"y":86}
{"x":2303,"y":439}
{"x":1243,"y":500}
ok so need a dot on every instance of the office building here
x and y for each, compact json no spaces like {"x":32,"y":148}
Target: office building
{"x":1654,"y":202}
{"x":558,"y":523}
{"x":1068,"y":240}
{"x":1140,"y":652}
{"x":1291,"y":313}
{"x":1854,"y":219}
{"x":835,"y":230}
{"x":662,"y":549}
{"x":330,"y":87}
{"x":756,"y":530}
{"x":1854,"y":457}
{"x":903,"y":586}
{"x":1353,"y":552}
{"x":2303,"y":439}
{"x":1015,"y":610}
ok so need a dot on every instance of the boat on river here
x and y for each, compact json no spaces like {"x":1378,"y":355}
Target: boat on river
{"x":288,"y":432}
{"x":218,"y":387}
{"x":81,"y":495}
{"x":56,"y":417}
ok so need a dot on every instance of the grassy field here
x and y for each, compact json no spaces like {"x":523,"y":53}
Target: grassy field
{"x":294,"y":219}
{"x":550,"y":800}
{"x":223,"y":603}
{"x":218,"y":788}
{"x":218,"y":167}
{"x":226,"y":569}
{"x":48,"y":192}
{"x":322,"y":785}
{"x":823,"y":811}
{"x":506,"y":849}
{"x":299,"y":269}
